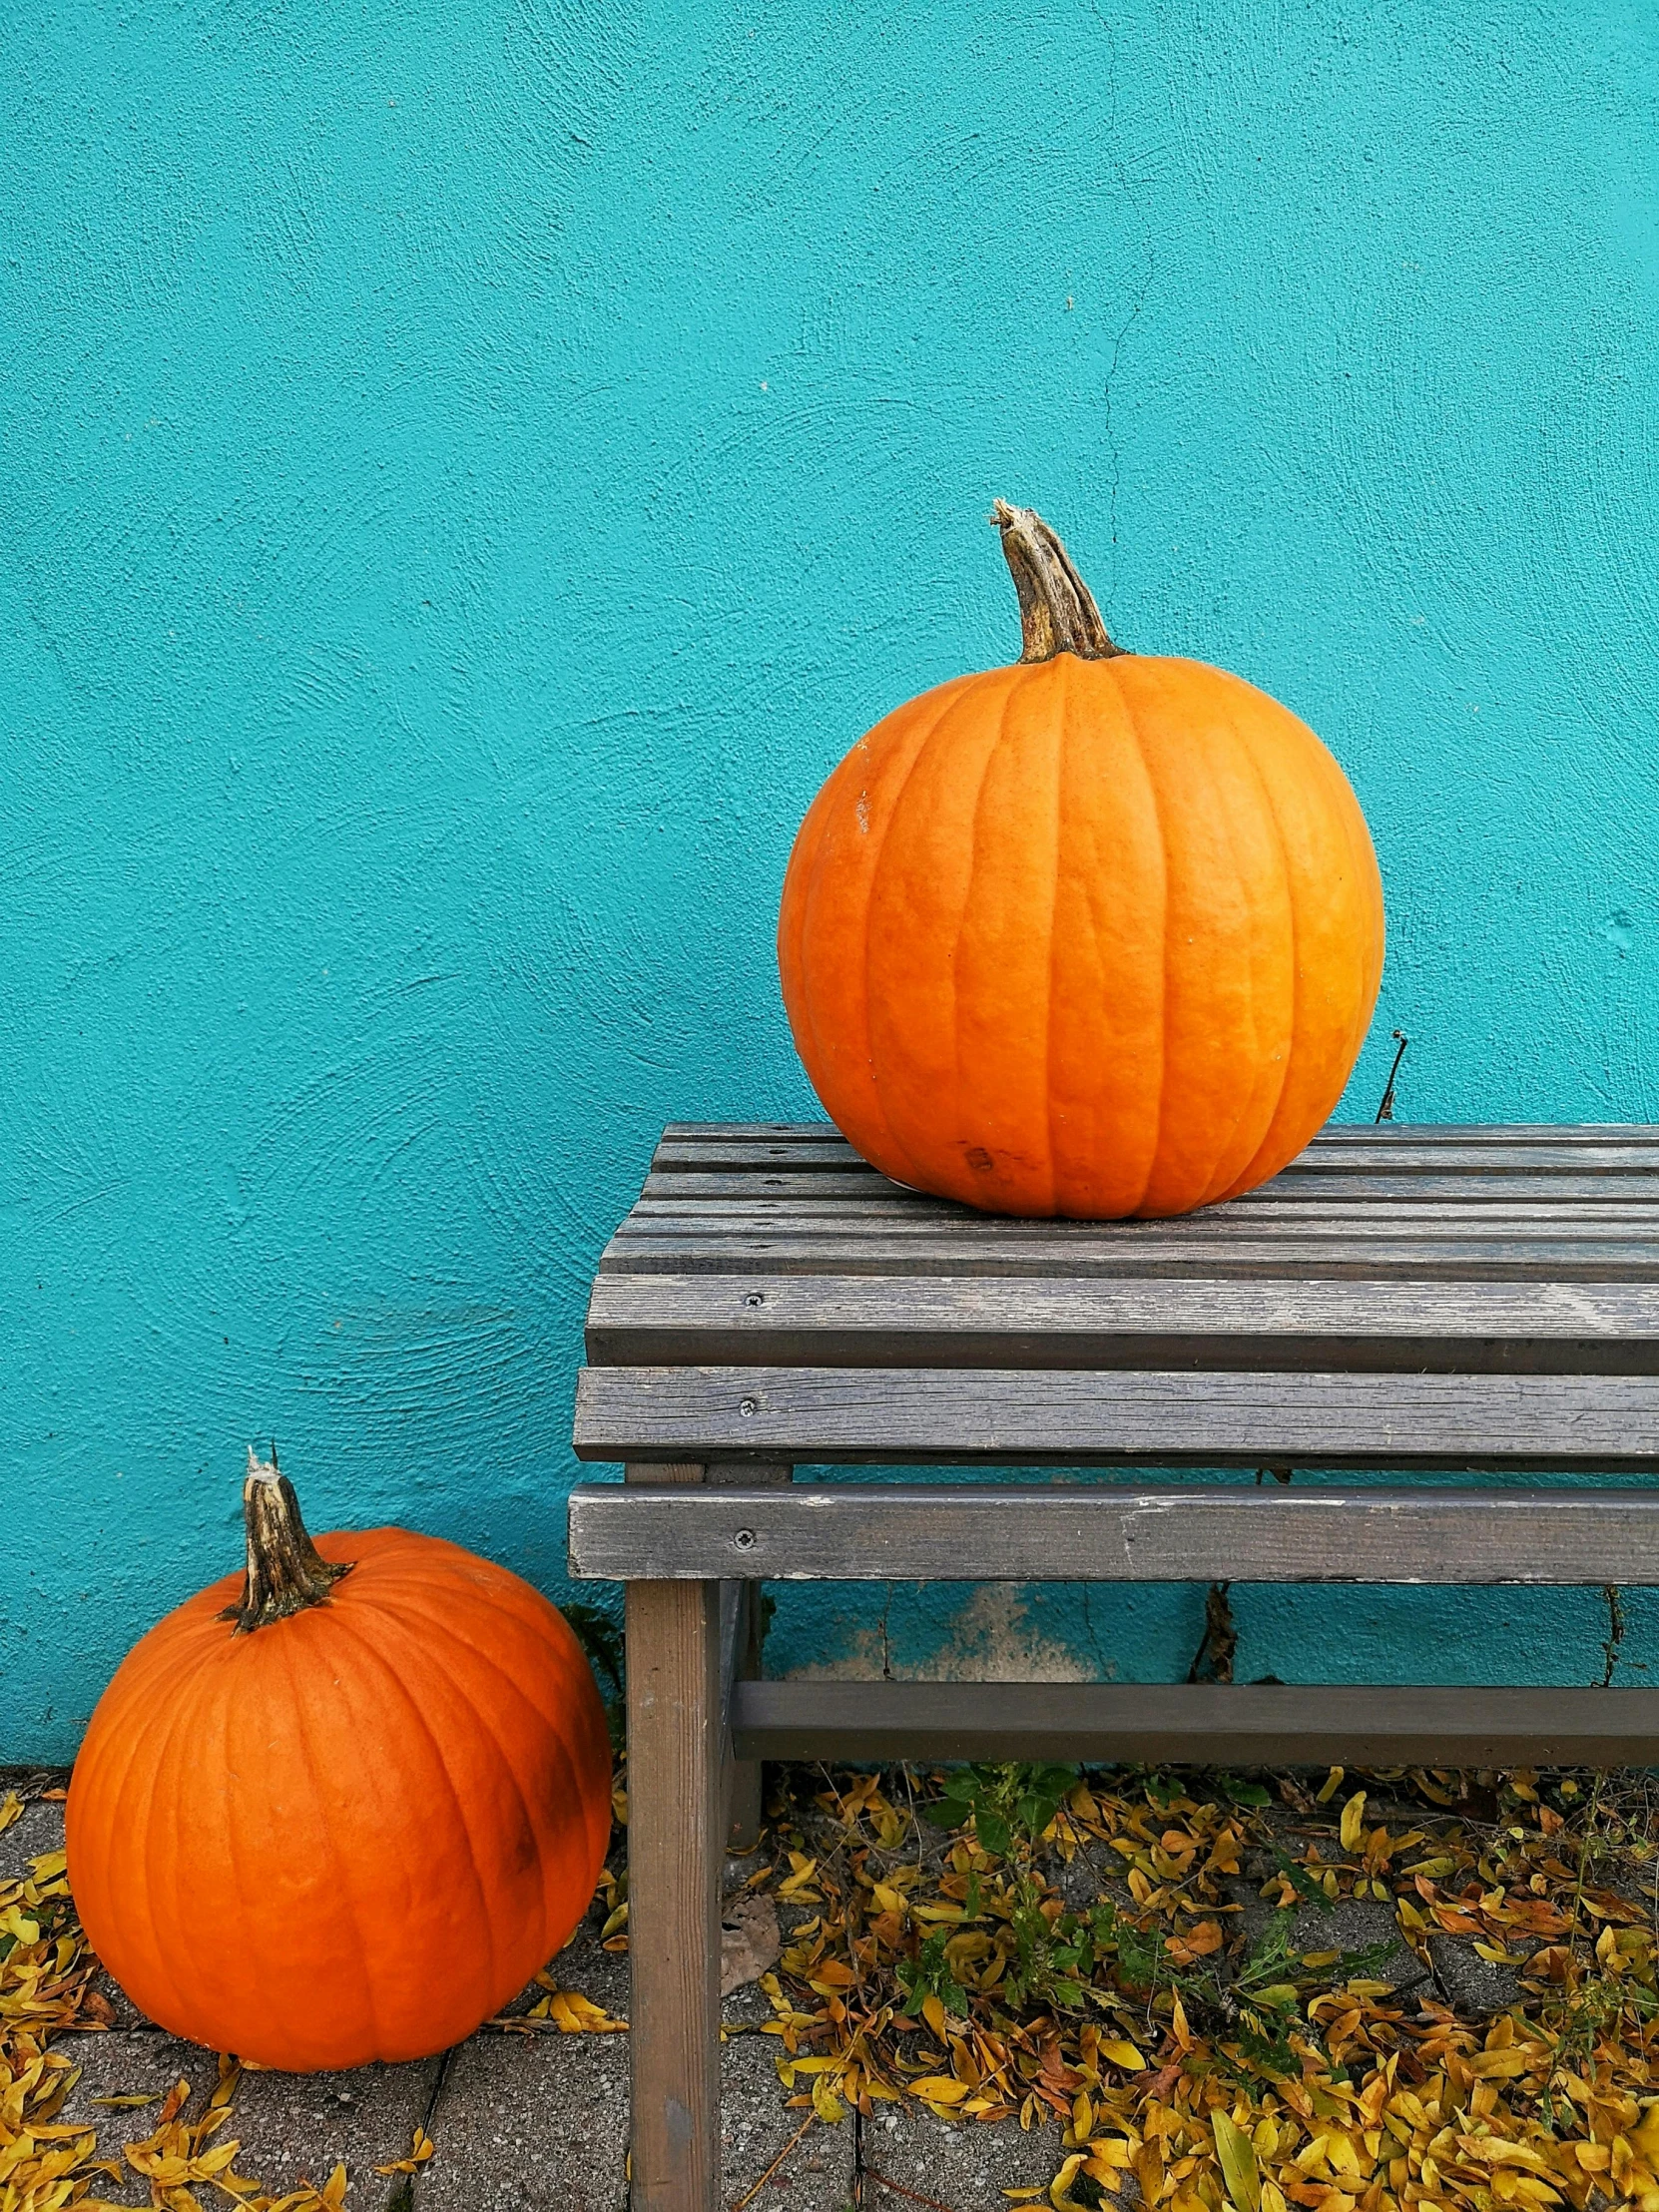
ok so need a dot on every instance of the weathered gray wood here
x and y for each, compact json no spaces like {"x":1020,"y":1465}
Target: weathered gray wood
{"x":1204,"y":1724}
{"x":1267,"y":1212}
{"x":924,"y":1223}
{"x":1491,"y":1260}
{"x":994,"y":1415}
{"x":740,"y":1776}
{"x":1631,"y":1184}
{"x":740,"y":1779}
{"x":742,"y":1783}
{"x":676,"y":1850}
{"x":1259,"y":1213}
{"x":641,"y":1319}
{"x":822,"y":1149}
{"x":1109,"y":1532}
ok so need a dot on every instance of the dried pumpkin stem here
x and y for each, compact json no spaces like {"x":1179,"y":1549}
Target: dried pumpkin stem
{"x":286,"y":1571}
{"x":1057,"y":613}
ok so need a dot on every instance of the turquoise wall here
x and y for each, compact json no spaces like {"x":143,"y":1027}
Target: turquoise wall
{"x":469,"y":469}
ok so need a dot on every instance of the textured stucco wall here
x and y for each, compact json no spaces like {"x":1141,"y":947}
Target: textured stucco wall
{"x":470,"y":469}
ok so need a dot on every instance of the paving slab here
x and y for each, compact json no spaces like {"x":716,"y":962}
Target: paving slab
{"x":38,"y":1831}
{"x":965,"y":2167}
{"x":757,"y":2131}
{"x":133,"y":2065}
{"x":1475,"y":1986}
{"x":290,"y":2126}
{"x":540,"y":2124}
{"x":530,"y":2124}
{"x":295,"y":2127}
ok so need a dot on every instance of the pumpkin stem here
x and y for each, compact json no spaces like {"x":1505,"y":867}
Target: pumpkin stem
{"x":286,"y":1571}
{"x":1057,"y":614}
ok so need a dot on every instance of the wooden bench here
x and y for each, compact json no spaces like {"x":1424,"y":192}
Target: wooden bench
{"x":1400,"y":1298}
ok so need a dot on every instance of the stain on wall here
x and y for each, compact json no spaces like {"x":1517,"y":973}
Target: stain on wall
{"x":470,"y":471}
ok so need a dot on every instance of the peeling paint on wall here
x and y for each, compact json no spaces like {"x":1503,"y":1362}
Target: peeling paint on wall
{"x":470,"y":471}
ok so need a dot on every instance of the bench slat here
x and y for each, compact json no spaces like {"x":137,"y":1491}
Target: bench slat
{"x":650,"y":1319}
{"x":1257,"y":1214}
{"x":1202,"y":1723}
{"x":1611,"y":1259}
{"x":1074,"y":1417}
{"x":1096,"y":1532}
{"x":1629,"y":1186}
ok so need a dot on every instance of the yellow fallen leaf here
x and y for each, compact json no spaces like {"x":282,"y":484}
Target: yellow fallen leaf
{"x":1500,"y":2066}
{"x":1109,"y":2155}
{"x":825,"y":2103}
{"x":1530,"y":2191}
{"x":939,"y":2089}
{"x":797,"y":1884}
{"x":1342,"y":2157}
{"x":1237,"y":2155}
{"x":1123,"y":2054}
{"x":419,"y":2152}
{"x":831,"y":1974}
{"x":1493,"y":2150}
{"x":574,"y":2014}
{"x":1353,"y":1831}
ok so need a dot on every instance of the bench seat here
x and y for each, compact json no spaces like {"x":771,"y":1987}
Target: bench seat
{"x":1438,"y":1303}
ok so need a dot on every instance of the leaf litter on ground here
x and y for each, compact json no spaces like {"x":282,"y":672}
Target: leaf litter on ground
{"x":1008,"y":1946}
{"x":949,"y":1955}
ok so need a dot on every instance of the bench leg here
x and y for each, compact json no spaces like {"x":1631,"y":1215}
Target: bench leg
{"x":743,"y":1779}
{"x":745,"y":1794}
{"x":675,"y":1857}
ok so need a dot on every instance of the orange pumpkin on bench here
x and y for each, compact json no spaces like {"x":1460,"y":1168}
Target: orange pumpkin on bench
{"x":1095,"y":935}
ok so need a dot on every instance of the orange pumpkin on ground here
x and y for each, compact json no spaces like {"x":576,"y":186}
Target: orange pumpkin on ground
{"x":1096,"y":934}
{"x":348,"y":1812}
